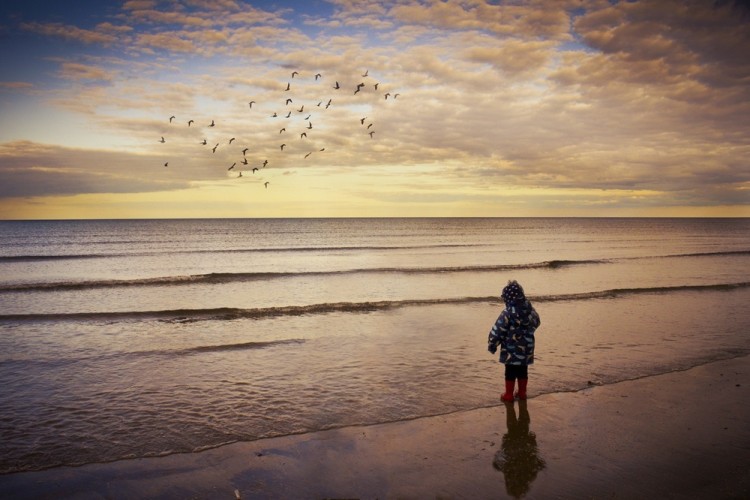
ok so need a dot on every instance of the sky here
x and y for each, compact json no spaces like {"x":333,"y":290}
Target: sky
{"x":450,"y":108}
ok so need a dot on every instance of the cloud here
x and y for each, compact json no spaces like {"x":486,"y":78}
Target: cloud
{"x":78,"y":72}
{"x":73,"y":33}
{"x":16,"y":85}
{"x":573,"y":95}
{"x":28,"y":169}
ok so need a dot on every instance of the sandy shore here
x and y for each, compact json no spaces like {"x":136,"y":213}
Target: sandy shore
{"x":679,"y":435}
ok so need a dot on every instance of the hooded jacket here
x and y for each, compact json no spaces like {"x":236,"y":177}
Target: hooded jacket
{"x":514,"y":333}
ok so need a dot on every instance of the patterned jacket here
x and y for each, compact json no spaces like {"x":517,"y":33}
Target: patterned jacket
{"x":514,"y":333}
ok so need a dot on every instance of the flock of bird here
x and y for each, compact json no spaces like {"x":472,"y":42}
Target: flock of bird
{"x":291,"y":109}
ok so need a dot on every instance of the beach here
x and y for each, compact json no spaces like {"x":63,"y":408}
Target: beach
{"x":682,"y":434}
{"x":330,"y":358}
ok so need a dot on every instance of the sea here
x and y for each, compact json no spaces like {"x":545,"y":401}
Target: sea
{"x":122,"y":339}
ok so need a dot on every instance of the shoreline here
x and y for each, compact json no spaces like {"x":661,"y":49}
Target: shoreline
{"x":681,"y":434}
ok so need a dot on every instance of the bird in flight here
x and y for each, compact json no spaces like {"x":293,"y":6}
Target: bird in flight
{"x":367,"y":71}
{"x":251,"y":103}
{"x":288,"y":101}
{"x":204,"y":142}
{"x":230,"y":140}
{"x":329,"y":103}
{"x":288,"y":86}
{"x":255,"y":169}
{"x":214,"y":148}
{"x":337,"y":86}
{"x":372,"y":132}
{"x":303,"y":134}
{"x":266,"y":184}
{"x":265,"y":162}
{"x":300,"y":110}
{"x":362,"y":120}
{"x":386,"y":95}
{"x":244,"y":151}
{"x":282,"y":130}
{"x":308,"y":154}
{"x":171,"y":118}
{"x":244,"y":161}
{"x":282,"y":147}
{"x":166,"y":164}
{"x":212,"y":124}
{"x":317,"y":75}
{"x":233,"y":164}
{"x":162,"y":140}
{"x":309,"y":125}
{"x":190,"y":122}
{"x":294,"y":73}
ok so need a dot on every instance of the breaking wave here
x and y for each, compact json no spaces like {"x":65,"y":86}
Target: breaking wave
{"x":218,"y":278}
{"x":230,"y":313}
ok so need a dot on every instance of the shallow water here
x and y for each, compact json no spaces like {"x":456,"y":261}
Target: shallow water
{"x":134,"y":338}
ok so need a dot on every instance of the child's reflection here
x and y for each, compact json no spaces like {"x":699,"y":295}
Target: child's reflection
{"x":518,"y":458}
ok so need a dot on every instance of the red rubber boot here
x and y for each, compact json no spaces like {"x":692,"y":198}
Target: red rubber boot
{"x":508,"y":396}
{"x":521,"y":394}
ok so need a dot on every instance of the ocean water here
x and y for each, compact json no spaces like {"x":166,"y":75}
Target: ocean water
{"x":122,"y":339}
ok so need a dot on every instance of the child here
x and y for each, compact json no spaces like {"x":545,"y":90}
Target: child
{"x":514,"y":332}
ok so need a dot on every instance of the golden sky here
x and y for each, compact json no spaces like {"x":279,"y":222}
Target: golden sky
{"x":504,"y":108}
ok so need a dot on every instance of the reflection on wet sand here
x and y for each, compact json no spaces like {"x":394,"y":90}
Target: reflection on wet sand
{"x":518,"y":458}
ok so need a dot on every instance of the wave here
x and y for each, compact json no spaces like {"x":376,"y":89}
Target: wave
{"x":186,"y":351}
{"x":220,"y":278}
{"x":46,"y":257}
{"x":230,"y":313}
{"x":43,"y":257}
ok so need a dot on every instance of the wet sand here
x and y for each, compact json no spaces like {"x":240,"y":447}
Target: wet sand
{"x":679,"y":435}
